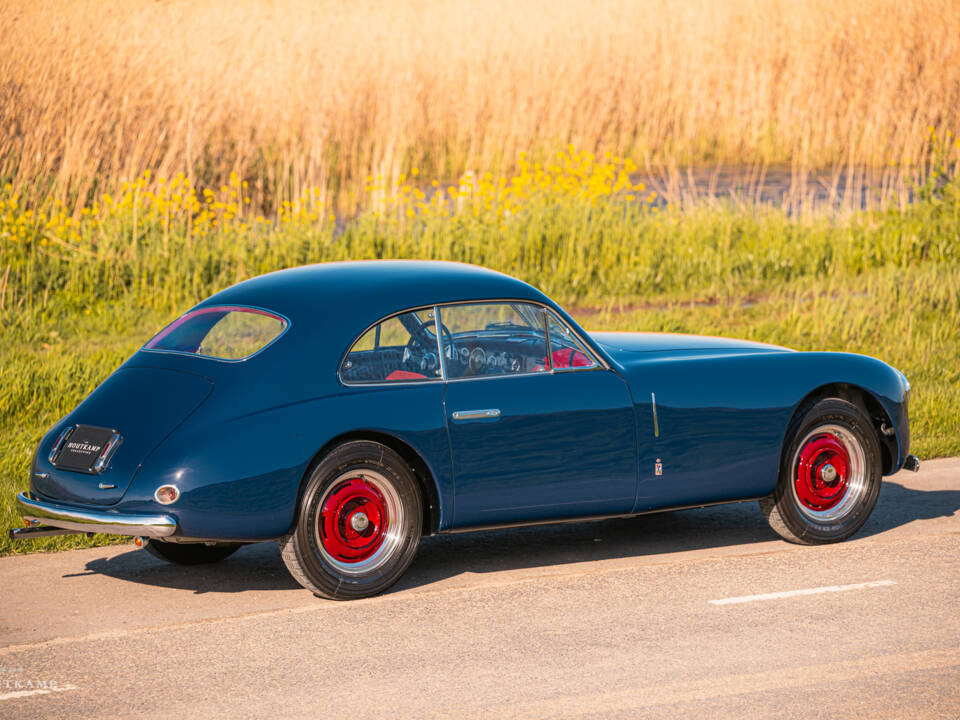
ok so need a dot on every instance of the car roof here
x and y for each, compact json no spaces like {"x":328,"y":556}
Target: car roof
{"x":366,"y":290}
{"x":329,"y":305}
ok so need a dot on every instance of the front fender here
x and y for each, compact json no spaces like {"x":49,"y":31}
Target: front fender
{"x":885,"y":385}
{"x":722,"y":419}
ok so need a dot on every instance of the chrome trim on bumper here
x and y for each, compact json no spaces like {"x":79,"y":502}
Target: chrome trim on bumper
{"x":101,"y":521}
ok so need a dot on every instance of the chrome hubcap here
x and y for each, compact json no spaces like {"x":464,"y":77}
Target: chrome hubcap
{"x":359,"y":521}
{"x":829,"y":473}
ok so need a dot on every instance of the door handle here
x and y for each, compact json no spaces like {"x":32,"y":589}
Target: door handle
{"x":476,"y":414}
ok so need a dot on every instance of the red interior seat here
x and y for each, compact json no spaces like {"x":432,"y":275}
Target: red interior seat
{"x":405,"y":375}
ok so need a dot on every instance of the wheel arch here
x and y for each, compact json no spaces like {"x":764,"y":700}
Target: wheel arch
{"x":426,"y":482}
{"x":863,"y":398}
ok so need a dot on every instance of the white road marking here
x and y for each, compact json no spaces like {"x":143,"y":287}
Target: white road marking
{"x":38,"y":691}
{"x":807,"y":591}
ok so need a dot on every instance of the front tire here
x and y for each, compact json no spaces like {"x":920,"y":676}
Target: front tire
{"x":358,"y":523}
{"x":830,"y":475}
{"x":190,"y":553}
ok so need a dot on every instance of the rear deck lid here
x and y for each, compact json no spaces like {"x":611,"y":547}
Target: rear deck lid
{"x":135,"y":409}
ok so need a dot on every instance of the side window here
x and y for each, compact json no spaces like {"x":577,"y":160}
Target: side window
{"x":566,"y":351}
{"x":399,"y":349}
{"x":490,"y":339}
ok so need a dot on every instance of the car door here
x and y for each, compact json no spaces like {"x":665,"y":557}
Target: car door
{"x":539,"y":429}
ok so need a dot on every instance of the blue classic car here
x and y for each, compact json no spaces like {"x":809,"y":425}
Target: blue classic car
{"x":345,"y":410}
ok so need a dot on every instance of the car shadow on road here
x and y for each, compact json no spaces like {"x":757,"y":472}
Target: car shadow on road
{"x":254,"y":568}
{"x":646,"y":535}
{"x":258,"y":567}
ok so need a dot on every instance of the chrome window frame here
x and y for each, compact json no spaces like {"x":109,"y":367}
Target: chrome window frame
{"x":229,"y":307}
{"x":600,"y":361}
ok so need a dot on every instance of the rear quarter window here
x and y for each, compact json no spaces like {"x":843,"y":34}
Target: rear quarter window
{"x":222,"y":333}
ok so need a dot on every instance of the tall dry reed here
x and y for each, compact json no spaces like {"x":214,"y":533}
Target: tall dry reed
{"x":297,"y":93}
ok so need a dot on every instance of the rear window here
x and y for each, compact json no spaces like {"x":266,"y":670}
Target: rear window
{"x":224,"y":333}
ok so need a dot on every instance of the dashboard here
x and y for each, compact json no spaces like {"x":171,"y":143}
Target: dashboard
{"x":493,"y":353}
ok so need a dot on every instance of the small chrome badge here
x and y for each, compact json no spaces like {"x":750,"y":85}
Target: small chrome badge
{"x":658,"y":468}
{"x":106,"y":486}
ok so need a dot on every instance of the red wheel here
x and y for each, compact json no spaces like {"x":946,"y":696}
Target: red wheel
{"x":823,"y":466}
{"x":353,"y":517}
{"x":358,"y":524}
{"x":830,"y":474}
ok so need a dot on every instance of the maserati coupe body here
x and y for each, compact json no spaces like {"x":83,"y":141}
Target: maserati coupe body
{"x":345,"y":410}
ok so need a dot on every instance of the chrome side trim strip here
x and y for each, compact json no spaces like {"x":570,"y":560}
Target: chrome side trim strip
{"x":656,"y":425}
{"x":86,"y":520}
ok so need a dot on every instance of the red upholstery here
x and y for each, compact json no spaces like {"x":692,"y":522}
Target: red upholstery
{"x":566,"y":358}
{"x":405,"y":375}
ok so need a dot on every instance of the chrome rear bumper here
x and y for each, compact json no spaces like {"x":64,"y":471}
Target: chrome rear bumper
{"x":48,"y":518}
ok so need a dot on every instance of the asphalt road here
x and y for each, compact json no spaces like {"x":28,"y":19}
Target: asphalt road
{"x":701,"y":613}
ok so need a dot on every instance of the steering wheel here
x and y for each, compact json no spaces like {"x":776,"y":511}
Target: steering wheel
{"x":418,"y":354}
{"x":451,"y":352}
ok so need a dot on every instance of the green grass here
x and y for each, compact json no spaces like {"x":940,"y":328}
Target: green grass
{"x":882,"y":283}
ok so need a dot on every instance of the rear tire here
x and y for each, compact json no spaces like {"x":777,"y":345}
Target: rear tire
{"x":830,"y":475}
{"x":190,"y":553}
{"x":358,"y":524}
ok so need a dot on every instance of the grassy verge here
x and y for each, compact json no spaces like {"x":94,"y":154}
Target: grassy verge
{"x":77,"y":298}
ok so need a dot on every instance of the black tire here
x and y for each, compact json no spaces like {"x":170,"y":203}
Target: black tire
{"x":816,"y":521}
{"x":317,"y":552}
{"x":190,"y":553}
